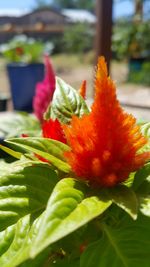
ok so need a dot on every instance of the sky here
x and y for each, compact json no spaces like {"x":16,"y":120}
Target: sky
{"x":17,"y":4}
{"x":122,"y":8}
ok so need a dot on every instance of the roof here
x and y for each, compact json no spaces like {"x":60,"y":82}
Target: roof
{"x":70,"y":15}
{"x":47,"y":16}
{"x":47,"y":9}
{"x":79,"y":15}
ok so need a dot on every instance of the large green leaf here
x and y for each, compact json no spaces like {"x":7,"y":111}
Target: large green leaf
{"x":145,"y":129}
{"x":24,"y":191}
{"x":15,"y":124}
{"x":125,"y":198}
{"x":124,"y":246}
{"x":67,"y":210}
{"x":130,"y":180}
{"x":140,"y":176}
{"x":11,"y":152}
{"x":145,"y":205}
{"x":66,"y":103}
{"x":47,"y":148}
{"x":66,"y":263}
{"x":143,"y":194}
{"x":18,"y":251}
{"x":15,"y":236}
{"x":42,"y":260}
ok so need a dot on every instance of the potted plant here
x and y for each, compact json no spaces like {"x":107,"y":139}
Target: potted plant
{"x":139,"y":46}
{"x":79,"y":194}
{"x":24,"y":56}
{"x":131,"y":41}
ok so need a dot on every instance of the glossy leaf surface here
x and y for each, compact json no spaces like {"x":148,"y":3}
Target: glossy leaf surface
{"x":124,"y":246}
{"x":24,"y":191}
{"x":67,"y":210}
{"x":49,"y":149}
{"x":66,"y":103}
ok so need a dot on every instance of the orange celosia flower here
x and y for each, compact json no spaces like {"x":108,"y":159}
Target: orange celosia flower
{"x":105,"y":143}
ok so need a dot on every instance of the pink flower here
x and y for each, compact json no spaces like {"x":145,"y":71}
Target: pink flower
{"x":44,"y":91}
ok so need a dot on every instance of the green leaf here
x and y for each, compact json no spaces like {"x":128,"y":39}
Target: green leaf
{"x":145,"y":205}
{"x":21,"y":191}
{"x":67,"y":210}
{"x":16,"y":124}
{"x":47,"y":148}
{"x":24,"y":191}
{"x":66,"y":103}
{"x":6,"y":238}
{"x":3,"y":167}
{"x":13,"y":250}
{"x":140,"y":176}
{"x":42,"y":260}
{"x":11,"y":152}
{"x":125,"y":198}
{"x":143,"y":194}
{"x":66,"y":263}
{"x":124,"y":246}
{"x":145,"y":130}
{"x":18,"y":251}
{"x":130,"y":180}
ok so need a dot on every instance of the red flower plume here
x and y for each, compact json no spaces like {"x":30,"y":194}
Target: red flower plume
{"x":52,"y":129}
{"x":105,"y":143}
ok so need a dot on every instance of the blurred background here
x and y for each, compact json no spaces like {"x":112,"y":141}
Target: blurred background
{"x":74,"y":33}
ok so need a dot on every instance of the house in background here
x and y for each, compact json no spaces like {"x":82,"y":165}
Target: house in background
{"x":41,"y":23}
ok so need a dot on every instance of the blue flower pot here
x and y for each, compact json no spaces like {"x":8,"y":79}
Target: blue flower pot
{"x":135,"y":64}
{"x":23,"y":79}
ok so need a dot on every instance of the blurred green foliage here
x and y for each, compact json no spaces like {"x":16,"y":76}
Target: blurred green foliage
{"x":131,"y":39}
{"x":78,"y":38}
{"x":85,"y":4}
{"x":142,"y":76}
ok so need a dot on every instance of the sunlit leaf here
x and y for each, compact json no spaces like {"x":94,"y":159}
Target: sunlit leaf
{"x":140,"y":176}
{"x":130,"y":180}
{"x":66,"y":103}
{"x":143,"y":194}
{"x":145,"y":129}
{"x":11,"y":152}
{"x":67,"y":210}
{"x":24,"y":191}
{"x":145,"y":205}
{"x":125,"y":198}
{"x":49,"y":149}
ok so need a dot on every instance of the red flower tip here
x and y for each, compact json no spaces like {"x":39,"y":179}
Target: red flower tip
{"x":105,"y":143}
{"x":24,"y":135}
{"x":41,"y":158}
{"x":82,"y":90}
{"x":52,"y":129}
